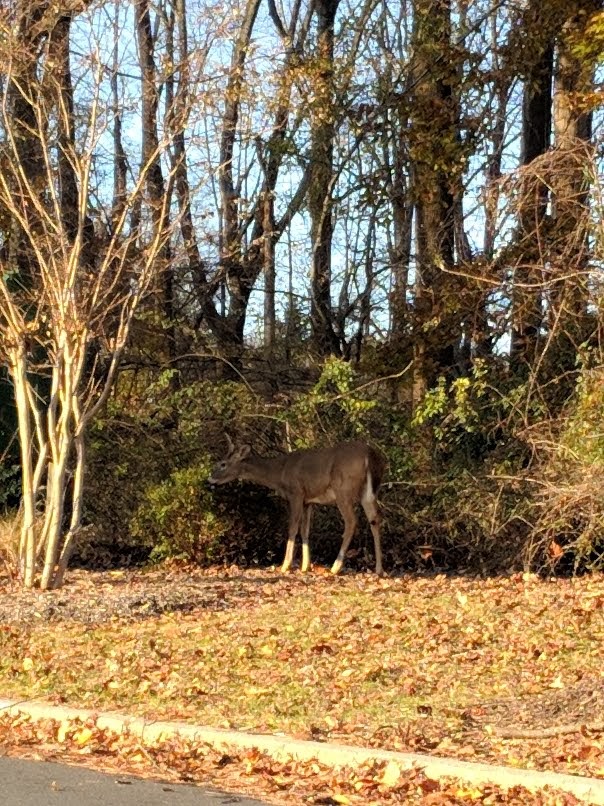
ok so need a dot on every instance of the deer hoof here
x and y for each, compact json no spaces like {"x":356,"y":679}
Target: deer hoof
{"x":336,"y":568}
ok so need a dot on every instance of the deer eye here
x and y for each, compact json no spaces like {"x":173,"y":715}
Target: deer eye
{"x":222,"y":465}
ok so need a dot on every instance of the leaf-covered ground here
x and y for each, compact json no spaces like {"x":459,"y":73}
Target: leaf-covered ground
{"x":447,"y":665}
{"x":252,"y":772}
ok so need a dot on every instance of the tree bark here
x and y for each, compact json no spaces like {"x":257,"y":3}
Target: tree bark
{"x":527,"y":301}
{"x":432,"y":131}
{"x":569,"y":317}
{"x":320,"y":201}
{"x":239,"y":280}
{"x":151,"y":164}
{"x":402,"y":228}
{"x":120,"y":162}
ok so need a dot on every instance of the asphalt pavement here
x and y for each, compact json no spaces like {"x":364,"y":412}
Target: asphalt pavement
{"x":45,"y":783}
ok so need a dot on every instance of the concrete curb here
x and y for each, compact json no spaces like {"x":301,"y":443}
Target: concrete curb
{"x":589,"y":790}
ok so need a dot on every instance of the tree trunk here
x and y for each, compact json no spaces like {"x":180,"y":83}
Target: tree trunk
{"x":320,"y":202}
{"x":120,"y":163}
{"x":569,"y":318}
{"x":527,"y":302}
{"x":27,"y":545}
{"x":151,"y":163}
{"x":22,"y":93}
{"x":238,"y":281}
{"x":268,"y":225}
{"x":402,"y":229}
{"x":432,"y":132}
{"x":178,"y":113}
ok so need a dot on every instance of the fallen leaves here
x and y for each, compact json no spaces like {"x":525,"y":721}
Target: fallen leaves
{"x":176,"y":759}
{"x":391,"y":774}
{"x":408,"y":664}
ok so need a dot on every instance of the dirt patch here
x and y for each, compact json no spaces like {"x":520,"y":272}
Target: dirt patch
{"x":581,"y":704}
{"x":97,"y":597}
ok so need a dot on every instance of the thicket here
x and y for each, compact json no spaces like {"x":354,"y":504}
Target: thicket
{"x":481,"y":479}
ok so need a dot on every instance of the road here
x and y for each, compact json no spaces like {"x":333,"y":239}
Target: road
{"x":41,"y":783}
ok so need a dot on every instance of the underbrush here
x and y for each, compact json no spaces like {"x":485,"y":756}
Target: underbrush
{"x":9,"y":542}
{"x":482,"y":477}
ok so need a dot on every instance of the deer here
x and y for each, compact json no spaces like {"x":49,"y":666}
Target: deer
{"x":345,"y":475}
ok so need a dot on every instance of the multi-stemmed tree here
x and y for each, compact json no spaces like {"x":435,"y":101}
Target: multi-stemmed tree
{"x":74,"y":270}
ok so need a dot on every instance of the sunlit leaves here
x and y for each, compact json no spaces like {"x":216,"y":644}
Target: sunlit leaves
{"x":438,"y":664}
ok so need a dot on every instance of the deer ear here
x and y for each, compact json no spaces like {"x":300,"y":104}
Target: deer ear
{"x":230,"y":446}
{"x":244,"y":451}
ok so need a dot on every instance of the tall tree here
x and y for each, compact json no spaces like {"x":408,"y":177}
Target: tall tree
{"x":540,"y":25}
{"x":432,"y":133}
{"x":572,"y":170}
{"x":151,"y":165}
{"x":64,"y":291}
{"x":320,"y":193}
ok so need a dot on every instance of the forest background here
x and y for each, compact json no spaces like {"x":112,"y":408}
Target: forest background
{"x":298,"y":223}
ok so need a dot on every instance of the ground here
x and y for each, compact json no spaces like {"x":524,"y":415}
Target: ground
{"x":505,"y":670}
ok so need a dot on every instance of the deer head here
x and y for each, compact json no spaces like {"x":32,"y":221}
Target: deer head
{"x":229,"y":468}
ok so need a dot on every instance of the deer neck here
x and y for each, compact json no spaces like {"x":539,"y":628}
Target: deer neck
{"x":264,"y":471}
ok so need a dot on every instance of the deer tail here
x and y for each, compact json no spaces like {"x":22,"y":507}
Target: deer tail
{"x":376,"y":469}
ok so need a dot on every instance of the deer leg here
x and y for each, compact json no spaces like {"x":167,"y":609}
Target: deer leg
{"x":370,"y":506}
{"x":305,"y":531}
{"x":295,"y":516}
{"x":350,"y":524}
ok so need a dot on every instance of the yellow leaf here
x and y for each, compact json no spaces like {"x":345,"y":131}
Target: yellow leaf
{"x":391,"y":774}
{"x":83,"y":736}
{"x":470,"y":793}
{"x":557,"y":683}
{"x":347,"y":672}
{"x":28,"y":664}
{"x":341,"y":799}
{"x":266,"y":650}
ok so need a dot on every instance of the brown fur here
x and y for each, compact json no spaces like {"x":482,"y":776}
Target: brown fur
{"x":337,"y":475}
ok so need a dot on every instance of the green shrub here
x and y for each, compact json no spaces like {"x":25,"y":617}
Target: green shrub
{"x":126,"y":455}
{"x":331,"y":411}
{"x":182,"y":518}
{"x":177,"y":518}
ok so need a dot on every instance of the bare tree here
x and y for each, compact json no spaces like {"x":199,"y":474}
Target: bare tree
{"x":433,"y":128}
{"x":320,"y":202}
{"x":568,"y":312}
{"x":68,"y":294}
